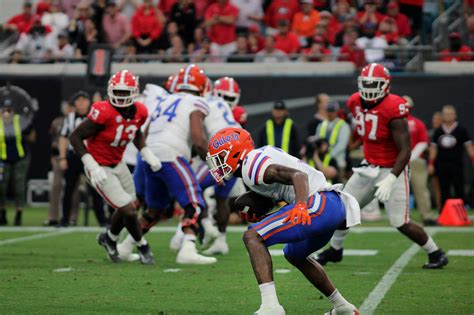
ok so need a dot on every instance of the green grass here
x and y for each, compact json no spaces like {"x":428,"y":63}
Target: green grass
{"x":28,"y":283}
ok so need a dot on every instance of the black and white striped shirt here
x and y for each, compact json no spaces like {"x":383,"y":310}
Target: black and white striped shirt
{"x":70,"y":123}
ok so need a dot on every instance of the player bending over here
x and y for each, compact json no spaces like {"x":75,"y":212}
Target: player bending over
{"x":306,"y":224}
{"x":380,"y":119}
{"x":109,"y":127}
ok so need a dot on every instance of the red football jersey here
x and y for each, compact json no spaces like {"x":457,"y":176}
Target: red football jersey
{"x":108,"y":145}
{"x":373,"y":127}
{"x":240,"y":115}
{"x":418,"y":132}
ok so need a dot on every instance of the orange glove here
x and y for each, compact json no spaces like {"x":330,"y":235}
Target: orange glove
{"x":299,"y":214}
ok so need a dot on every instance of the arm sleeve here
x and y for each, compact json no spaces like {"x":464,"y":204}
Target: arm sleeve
{"x":201,"y":105}
{"x":97,"y":115}
{"x":254,"y":167}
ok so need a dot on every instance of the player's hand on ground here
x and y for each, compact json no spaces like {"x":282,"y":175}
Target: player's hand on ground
{"x":151,"y":159}
{"x":384,"y":189}
{"x":299,"y":214}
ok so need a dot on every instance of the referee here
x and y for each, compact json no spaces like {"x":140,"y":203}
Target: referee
{"x":71,"y":164}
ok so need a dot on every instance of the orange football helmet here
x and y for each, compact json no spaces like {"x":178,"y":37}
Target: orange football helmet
{"x":171,"y":83}
{"x":191,"y":78}
{"x":374,"y":82}
{"x":123,"y":89}
{"x":226,"y":150}
{"x":228,"y":89}
{"x":208,"y":87}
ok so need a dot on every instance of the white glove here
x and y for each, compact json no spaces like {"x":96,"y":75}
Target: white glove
{"x":96,"y":173}
{"x":385,"y":188}
{"x":149,"y":157}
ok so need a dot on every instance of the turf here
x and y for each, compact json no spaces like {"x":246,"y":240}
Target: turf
{"x":29,"y":284}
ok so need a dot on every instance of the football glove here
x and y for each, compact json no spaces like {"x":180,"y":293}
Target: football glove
{"x":384,"y":189}
{"x":96,"y":173}
{"x":299,"y":214}
{"x":149,"y":157}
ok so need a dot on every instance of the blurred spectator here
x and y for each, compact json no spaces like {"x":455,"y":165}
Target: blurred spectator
{"x":62,"y":50}
{"x":372,"y":45}
{"x":87,"y":37}
{"x":280,"y":131}
{"x":414,"y":10}
{"x":164,"y":42}
{"x":55,"y":18}
{"x":130,"y":54}
{"x":166,"y":6}
{"x":270,"y":53}
{"x":388,"y":31}
{"x":350,"y":52}
{"x":322,"y":160}
{"x":22,"y":22}
{"x":99,"y":8}
{"x":317,"y":50}
{"x":436,"y":122}
{"x":418,"y":166}
{"x":176,"y":51}
{"x":220,"y":22}
{"x":369,"y":17}
{"x":342,"y":10}
{"x":43,"y":6}
{"x":184,"y":14}
{"x":36,"y":43}
{"x":402,"y":21}
{"x":147,"y":24}
{"x":457,"y":51}
{"x":129,"y":7}
{"x":77,"y":24}
{"x":198,"y":37}
{"x":331,"y":25}
{"x":321,"y":102}
{"x":337,"y":132}
{"x":255,"y":39}
{"x":280,"y":10}
{"x":242,"y":52}
{"x":115,"y":25}
{"x":202,"y":54}
{"x":201,"y":6}
{"x":285,"y":40}
{"x":305,"y":21}
{"x":250,"y":14}
{"x":470,"y":31}
{"x":322,"y":5}
{"x":468,"y":7}
{"x":70,"y":7}
{"x":447,"y":155}
{"x":349,"y":24}
{"x":15,"y":157}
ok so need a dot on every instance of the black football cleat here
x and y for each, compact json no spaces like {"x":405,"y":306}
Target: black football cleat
{"x":330,"y":255}
{"x":437,"y":260}
{"x":110,"y":246}
{"x":146,"y":256}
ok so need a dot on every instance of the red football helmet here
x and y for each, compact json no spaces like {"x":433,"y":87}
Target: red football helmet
{"x":208,"y":87}
{"x":123,"y":89}
{"x":227,"y":148}
{"x":228,"y":89}
{"x":171,"y":83}
{"x":191,"y":78}
{"x":374,"y":82}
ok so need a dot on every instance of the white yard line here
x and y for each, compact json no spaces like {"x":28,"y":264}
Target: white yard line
{"x":230,"y":229}
{"x":461,"y":252}
{"x":33,"y":237}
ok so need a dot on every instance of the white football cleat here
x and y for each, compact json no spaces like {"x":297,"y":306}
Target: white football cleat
{"x":347,"y":309}
{"x":188,"y":255}
{"x":219,"y":247}
{"x":270,"y":310}
{"x":177,"y":239}
{"x":210,"y":232}
{"x":125,"y":250}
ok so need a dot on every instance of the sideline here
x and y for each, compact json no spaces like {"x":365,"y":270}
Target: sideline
{"x":33,"y":237}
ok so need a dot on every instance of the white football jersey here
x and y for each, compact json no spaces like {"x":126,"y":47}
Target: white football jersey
{"x":256,"y":163}
{"x":220,"y":116}
{"x":151,"y":95}
{"x":169,"y":133}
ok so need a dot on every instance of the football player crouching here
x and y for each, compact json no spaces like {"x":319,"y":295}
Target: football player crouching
{"x":314,"y":211}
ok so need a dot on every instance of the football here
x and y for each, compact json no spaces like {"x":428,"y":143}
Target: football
{"x":253,"y":203}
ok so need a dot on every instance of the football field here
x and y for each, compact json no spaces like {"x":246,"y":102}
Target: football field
{"x":64,"y":271}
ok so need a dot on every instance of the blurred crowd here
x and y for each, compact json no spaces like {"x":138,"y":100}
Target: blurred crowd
{"x":359,"y":31}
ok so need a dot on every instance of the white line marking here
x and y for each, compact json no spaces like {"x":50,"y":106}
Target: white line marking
{"x":276,"y":252}
{"x":67,"y":269}
{"x":282,"y":270}
{"x":33,"y":237}
{"x":360,"y":252}
{"x":231,"y":229}
{"x":461,"y":252}
{"x":378,"y":293}
{"x":172,"y":270}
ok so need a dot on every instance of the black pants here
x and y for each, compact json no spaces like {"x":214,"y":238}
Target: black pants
{"x":71,"y":177}
{"x":450,"y":176}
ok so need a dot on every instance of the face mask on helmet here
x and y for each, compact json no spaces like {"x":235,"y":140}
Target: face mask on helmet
{"x":120,"y":97}
{"x":231,"y":100}
{"x":372,"y":89}
{"x":218,"y":166}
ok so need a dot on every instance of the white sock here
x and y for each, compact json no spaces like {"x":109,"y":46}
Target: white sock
{"x":430,"y":246}
{"x":113,"y":237}
{"x":337,"y":299}
{"x":268,"y":294}
{"x":189,"y":237}
{"x":338,"y":238}
{"x":222,"y":236}
{"x":141,"y":242}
